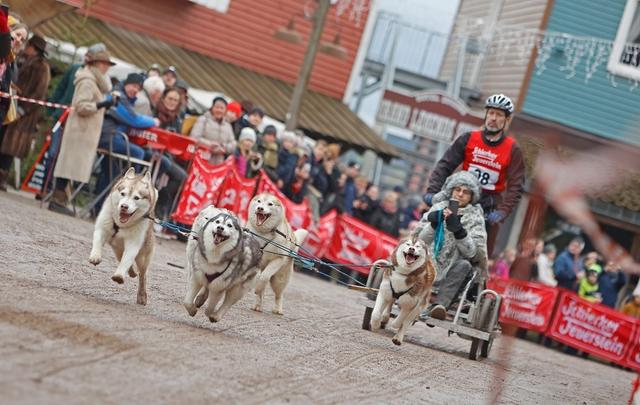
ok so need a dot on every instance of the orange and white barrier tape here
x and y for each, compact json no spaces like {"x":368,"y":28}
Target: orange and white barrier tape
{"x":34,"y":101}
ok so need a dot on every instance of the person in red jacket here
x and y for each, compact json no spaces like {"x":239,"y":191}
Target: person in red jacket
{"x":494,"y":157}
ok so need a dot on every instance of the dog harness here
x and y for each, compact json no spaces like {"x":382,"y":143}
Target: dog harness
{"x":212,"y":277}
{"x":397,"y":294}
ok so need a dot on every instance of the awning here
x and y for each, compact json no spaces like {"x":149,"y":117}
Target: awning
{"x":320,"y":115}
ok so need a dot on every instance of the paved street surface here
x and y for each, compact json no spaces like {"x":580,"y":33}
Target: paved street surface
{"x":68,"y":334}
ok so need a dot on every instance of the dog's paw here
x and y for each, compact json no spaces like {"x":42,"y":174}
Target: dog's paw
{"x":214,"y":318}
{"x":95,"y":259}
{"x":257,"y":308}
{"x":396,"y":341}
{"x":132,"y":273}
{"x":142,"y":299}
{"x":117,"y":278}
{"x":375,"y":324}
{"x":191,"y":310}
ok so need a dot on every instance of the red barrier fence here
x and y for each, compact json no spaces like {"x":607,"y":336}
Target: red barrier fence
{"x":527,"y":305}
{"x":571,"y":320}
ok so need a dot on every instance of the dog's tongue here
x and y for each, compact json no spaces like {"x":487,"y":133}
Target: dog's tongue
{"x":217,"y":238}
{"x":124,"y":216}
{"x":261,"y":218}
{"x":410,"y":258}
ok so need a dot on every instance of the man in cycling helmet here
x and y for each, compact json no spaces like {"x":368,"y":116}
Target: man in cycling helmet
{"x":491,"y":155}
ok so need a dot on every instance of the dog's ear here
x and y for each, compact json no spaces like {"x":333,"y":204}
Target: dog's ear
{"x":147,"y":177}
{"x":130,"y":174}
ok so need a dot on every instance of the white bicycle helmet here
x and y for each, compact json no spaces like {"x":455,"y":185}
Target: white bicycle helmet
{"x":500,"y":102}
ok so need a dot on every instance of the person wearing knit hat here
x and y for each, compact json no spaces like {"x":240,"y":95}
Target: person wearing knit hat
{"x":248,"y":162}
{"x":154,"y":70}
{"x":454,"y":229}
{"x":234,"y":112}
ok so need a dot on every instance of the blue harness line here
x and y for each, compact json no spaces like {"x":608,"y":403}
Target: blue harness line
{"x":438,"y":239}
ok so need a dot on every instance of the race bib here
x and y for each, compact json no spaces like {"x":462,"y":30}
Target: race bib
{"x":487,"y":177}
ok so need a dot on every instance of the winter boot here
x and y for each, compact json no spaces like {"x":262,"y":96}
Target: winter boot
{"x":58,"y":203}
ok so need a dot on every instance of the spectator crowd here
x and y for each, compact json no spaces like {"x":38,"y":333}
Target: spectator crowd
{"x":588,"y":275}
{"x":106,"y":110}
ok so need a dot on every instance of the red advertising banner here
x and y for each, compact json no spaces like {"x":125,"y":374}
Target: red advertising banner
{"x":320,"y":234}
{"x":357,"y":243}
{"x":527,"y":305}
{"x":201,"y":189}
{"x":179,"y":145}
{"x":236,"y":193}
{"x":298,"y":215}
{"x":633,"y":357}
{"x":593,"y":328}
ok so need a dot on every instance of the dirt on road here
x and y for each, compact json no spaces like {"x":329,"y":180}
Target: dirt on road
{"x":68,"y":334}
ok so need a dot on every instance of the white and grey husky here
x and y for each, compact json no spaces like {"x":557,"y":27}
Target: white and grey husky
{"x":123,"y":224}
{"x":222,"y":261}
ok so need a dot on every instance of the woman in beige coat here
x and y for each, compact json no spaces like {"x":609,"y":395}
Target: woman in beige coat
{"x":82,"y":130}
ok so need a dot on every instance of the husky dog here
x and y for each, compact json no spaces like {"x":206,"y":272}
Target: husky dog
{"x":222,"y":260}
{"x":122,"y":222}
{"x":408,"y":282}
{"x":267,"y":219}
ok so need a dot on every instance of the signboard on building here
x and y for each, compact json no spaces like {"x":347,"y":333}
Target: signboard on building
{"x":432,"y":114}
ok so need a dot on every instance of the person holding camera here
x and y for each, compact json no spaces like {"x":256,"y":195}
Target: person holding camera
{"x":491,"y":155}
{"x":454,"y":230}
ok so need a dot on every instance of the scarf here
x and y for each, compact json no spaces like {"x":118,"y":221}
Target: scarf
{"x":102,"y":81}
{"x":165,"y":115}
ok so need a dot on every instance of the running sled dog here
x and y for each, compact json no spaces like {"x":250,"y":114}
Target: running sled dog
{"x":408,"y":282}
{"x":122,"y":222}
{"x":222,"y":261}
{"x":267,"y":219}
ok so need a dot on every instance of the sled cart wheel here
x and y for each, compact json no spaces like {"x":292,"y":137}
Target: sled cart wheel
{"x":366,"y":320}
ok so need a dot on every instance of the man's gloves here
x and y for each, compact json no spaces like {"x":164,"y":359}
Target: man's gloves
{"x":455,"y":226}
{"x":495,"y":217}
{"x":428,"y":199}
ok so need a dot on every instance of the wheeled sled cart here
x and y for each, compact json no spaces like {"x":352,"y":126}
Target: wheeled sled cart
{"x":474,"y":320}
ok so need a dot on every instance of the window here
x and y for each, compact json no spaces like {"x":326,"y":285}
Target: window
{"x":220,"y":6}
{"x":625,"y":55}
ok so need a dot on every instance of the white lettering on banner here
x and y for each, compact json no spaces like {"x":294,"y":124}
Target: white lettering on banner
{"x":394,"y":113}
{"x":352,"y":243}
{"x":525,"y":316}
{"x":432,"y":125}
{"x":245,"y":196}
{"x":606,"y":343}
{"x":578,"y":313}
{"x":523,"y":296}
{"x":198,"y":188}
{"x":141,"y":133}
{"x":228,"y":198}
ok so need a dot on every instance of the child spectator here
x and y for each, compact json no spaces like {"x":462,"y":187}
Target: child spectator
{"x":248,"y":162}
{"x":588,"y":287}
{"x":234,"y":112}
{"x":287,"y":159}
{"x":611,"y":281}
{"x":168,"y":110}
{"x":503,"y":265}
{"x":632,"y":308}
{"x":170,"y":75}
{"x":545,"y":265}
